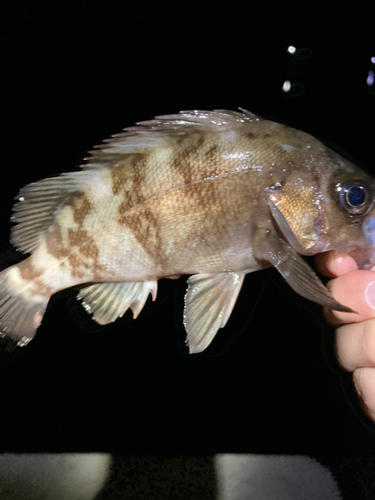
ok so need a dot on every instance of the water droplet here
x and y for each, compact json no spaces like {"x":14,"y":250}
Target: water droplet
{"x":286,"y":86}
{"x":292,"y":89}
{"x":298,"y":54}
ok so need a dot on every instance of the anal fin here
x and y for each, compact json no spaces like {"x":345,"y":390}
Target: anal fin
{"x":209,"y":301}
{"x":109,"y":301}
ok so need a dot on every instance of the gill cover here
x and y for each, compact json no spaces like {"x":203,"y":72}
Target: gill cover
{"x":299,"y":212}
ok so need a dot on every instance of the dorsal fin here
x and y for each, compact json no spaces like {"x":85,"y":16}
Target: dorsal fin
{"x":149,"y":134}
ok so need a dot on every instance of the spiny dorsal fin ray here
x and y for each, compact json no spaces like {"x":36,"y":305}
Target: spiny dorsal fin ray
{"x":151,"y":133}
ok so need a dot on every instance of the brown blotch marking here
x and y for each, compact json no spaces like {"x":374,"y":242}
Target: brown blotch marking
{"x":211,"y":152}
{"x":81,"y":239}
{"x":123,"y":208}
{"x":139,"y":166}
{"x":137,"y":159}
{"x":29,"y":273}
{"x":81,"y":206}
{"x":199,"y":144}
{"x":180,"y":138}
{"x":184,"y":169}
{"x":89,"y":250}
{"x":75,"y":261}
{"x":193,"y":148}
{"x":78,"y":239}
{"x":118,"y":179}
{"x":250,"y":135}
{"x":144,"y":226}
{"x":182,"y":163}
{"x":54,"y":242}
{"x":134,"y":196}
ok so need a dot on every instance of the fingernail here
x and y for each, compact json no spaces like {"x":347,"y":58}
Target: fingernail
{"x":370,"y":294}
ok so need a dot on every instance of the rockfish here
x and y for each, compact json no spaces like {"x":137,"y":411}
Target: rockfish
{"x":211,"y":194}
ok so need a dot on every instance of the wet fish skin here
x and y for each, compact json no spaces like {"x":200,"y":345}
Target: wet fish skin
{"x":212,"y":194}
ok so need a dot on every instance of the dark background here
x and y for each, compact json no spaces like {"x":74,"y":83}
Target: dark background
{"x":74,"y":73}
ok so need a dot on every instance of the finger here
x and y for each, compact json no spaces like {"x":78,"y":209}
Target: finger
{"x":355,"y":345}
{"x":334,"y":264}
{"x":364,"y":381}
{"x":356,"y":290}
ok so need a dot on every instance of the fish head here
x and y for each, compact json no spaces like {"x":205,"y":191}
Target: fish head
{"x":328,"y":207}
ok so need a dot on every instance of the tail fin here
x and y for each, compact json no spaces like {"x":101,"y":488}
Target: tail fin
{"x":21,"y":312}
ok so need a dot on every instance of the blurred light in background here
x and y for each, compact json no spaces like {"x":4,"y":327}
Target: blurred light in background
{"x":370,"y":78}
{"x":99,"y":476}
{"x":286,"y":86}
{"x":73,"y":476}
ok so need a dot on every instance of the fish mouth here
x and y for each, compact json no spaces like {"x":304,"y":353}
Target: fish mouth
{"x":369,"y":230}
{"x":364,"y":255}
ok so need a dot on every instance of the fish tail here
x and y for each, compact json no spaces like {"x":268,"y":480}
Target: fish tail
{"x":21,"y":309}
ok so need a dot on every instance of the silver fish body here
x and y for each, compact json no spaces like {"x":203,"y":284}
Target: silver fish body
{"x":215,"y":195}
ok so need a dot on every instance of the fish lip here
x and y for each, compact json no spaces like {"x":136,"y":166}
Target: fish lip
{"x":368,"y":228}
{"x":327,"y":248}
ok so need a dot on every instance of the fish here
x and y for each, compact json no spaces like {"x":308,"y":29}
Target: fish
{"x":210,"y":194}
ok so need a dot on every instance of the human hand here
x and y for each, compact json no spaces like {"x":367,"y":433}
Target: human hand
{"x":355,"y":333}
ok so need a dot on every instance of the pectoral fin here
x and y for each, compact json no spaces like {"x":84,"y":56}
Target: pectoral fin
{"x":296,"y":272}
{"x":209,"y":301}
{"x":108,"y":301}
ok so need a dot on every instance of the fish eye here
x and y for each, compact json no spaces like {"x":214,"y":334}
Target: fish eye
{"x":354,"y":196}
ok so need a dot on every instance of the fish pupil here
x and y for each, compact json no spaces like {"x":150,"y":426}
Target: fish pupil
{"x":355,"y":196}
